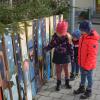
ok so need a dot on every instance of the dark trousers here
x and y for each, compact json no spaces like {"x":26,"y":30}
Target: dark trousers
{"x":75,"y":68}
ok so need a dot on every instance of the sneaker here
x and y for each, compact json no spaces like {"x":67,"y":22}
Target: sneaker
{"x":72,"y":77}
{"x":86,"y":95}
{"x":77,"y":75}
{"x":81,"y":89}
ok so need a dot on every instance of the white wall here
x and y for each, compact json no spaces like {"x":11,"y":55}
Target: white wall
{"x":85,"y":4}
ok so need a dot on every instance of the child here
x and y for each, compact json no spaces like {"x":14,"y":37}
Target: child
{"x":84,"y":16}
{"x":75,"y":67}
{"x":61,"y":42}
{"x":87,"y":54}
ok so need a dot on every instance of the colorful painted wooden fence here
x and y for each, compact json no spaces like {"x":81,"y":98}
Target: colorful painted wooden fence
{"x":24,"y":61}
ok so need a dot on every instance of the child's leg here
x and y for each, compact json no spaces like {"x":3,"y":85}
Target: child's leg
{"x":81,"y":88}
{"x":58,"y":73}
{"x":88,"y":92}
{"x":89,"y":78}
{"x":83,"y":76}
{"x":73,"y":69}
{"x":67,"y":75}
{"x":77,"y":69}
{"x":65,"y":66}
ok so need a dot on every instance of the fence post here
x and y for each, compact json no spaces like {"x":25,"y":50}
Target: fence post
{"x":72,"y":15}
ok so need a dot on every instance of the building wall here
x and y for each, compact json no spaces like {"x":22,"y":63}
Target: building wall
{"x":85,"y":4}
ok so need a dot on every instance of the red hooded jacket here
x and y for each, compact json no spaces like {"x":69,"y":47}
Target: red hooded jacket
{"x":88,"y":49}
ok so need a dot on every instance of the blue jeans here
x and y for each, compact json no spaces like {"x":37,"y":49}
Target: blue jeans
{"x":75,"y":68}
{"x":86,"y":75}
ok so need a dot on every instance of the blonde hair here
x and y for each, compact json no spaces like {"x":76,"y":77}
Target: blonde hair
{"x":69,"y":38}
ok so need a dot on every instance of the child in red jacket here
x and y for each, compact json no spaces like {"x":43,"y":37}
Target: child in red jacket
{"x":87,"y":54}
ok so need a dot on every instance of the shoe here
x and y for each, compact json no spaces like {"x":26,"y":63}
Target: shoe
{"x":72,"y":77}
{"x":86,"y":95}
{"x":68,"y":86}
{"x":58,"y":85}
{"x":81,"y":89}
{"x":77,"y":75}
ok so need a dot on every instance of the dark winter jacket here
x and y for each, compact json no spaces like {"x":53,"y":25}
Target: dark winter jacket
{"x":62,"y":49}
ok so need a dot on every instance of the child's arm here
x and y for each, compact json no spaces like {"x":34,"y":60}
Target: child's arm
{"x":71,"y":51}
{"x":53,"y":43}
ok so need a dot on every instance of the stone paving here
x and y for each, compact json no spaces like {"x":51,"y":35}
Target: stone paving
{"x":48,"y":90}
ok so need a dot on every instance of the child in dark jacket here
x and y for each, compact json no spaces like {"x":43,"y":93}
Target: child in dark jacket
{"x":75,"y":67}
{"x":61,"y":42}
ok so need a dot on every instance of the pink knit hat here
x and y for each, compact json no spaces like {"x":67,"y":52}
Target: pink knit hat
{"x":62,"y":28}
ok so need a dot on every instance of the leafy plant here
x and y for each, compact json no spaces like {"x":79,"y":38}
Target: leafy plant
{"x":28,"y":10}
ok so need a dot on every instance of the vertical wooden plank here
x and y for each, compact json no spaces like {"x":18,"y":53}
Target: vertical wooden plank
{"x":18,"y":62}
{"x":11,"y":64}
{"x":25,"y":62}
{"x":31,"y":57}
{"x":2,"y":65}
{"x":43,"y":32}
{"x":2,"y":72}
{"x":60,"y":17}
{"x":35,"y":39}
{"x":1,"y":89}
{"x":47,"y":41}
{"x":51,"y":34}
{"x":54,"y":23}
{"x":7,"y":92}
{"x":40,"y":55}
{"x":57,"y":19}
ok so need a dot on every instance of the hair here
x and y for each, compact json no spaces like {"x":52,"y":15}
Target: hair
{"x":69,"y":38}
{"x":84,"y":15}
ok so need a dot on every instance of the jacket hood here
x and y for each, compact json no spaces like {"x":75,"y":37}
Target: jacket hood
{"x":94,"y":35}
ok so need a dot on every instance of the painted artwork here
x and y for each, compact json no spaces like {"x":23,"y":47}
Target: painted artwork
{"x":35,"y":41}
{"x":54,"y":23}
{"x":60,"y":17}
{"x":11,"y":64}
{"x":31,"y":58}
{"x":40,"y":46}
{"x":25,"y":68}
{"x":18,"y":62}
{"x":6,"y":94}
{"x":1,"y":61}
{"x":51,"y":55}
{"x":57,"y":19}
{"x":43,"y":32}
{"x":47,"y":42}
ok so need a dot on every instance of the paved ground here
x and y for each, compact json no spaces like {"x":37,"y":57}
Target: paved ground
{"x":48,"y":90}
